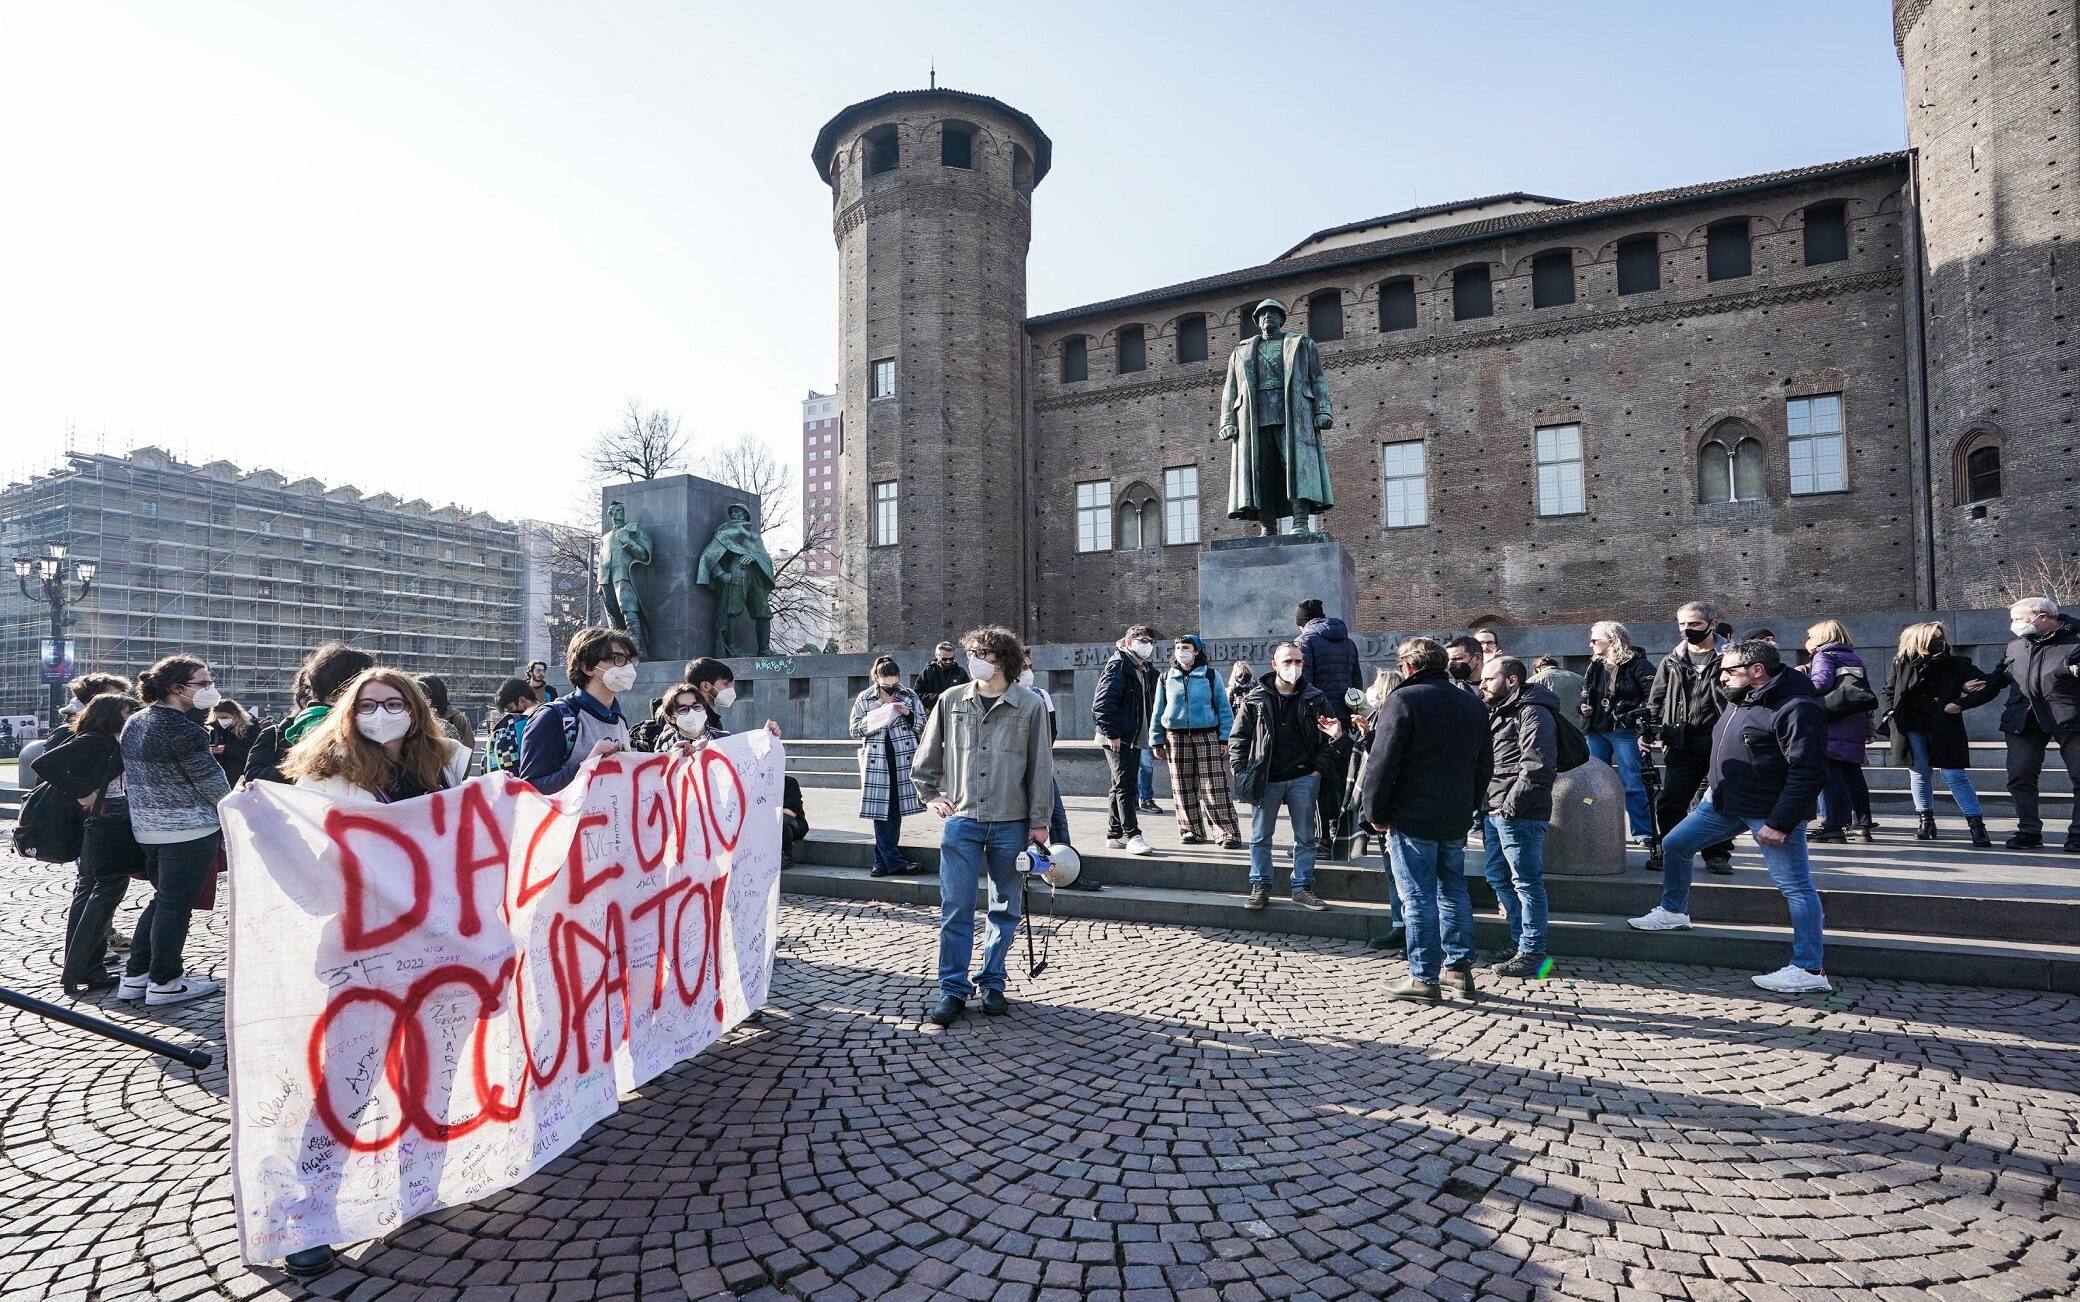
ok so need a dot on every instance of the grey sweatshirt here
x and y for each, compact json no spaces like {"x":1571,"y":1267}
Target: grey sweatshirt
{"x":174,"y":783}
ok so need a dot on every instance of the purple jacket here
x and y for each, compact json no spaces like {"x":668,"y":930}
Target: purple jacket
{"x":1845,"y":737}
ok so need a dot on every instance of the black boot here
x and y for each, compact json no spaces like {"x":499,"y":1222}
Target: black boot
{"x":1927,"y":830}
{"x":1979,"y":837}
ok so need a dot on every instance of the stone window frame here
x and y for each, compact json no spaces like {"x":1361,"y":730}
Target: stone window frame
{"x":1138,"y":512}
{"x":1981,"y":437}
{"x":1725,"y":441}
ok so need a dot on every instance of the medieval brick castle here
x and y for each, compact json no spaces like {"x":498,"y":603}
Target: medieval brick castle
{"x":1843,"y":387}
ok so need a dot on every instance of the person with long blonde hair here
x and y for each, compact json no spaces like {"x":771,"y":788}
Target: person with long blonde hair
{"x":1614,"y":691}
{"x":1846,"y":800}
{"x":1923,"y":704}
{"x":381,"y":742}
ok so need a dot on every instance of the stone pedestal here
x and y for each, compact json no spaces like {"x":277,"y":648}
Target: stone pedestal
{"x":1249,"y":586}
{"x":680,"y":513}
{"x":1587,"y":838}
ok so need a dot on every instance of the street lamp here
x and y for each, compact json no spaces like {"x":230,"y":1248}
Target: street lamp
{"x":49,"y":571}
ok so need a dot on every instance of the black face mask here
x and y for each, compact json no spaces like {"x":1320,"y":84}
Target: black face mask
{"x":1460,"y":670}
{"x":1937,"y":646}
{"x":1697,"y":636}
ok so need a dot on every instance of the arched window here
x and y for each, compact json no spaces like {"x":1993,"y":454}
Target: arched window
{"x":1191,"y":337}
{"x":1076,"y":361}
{"x":1325,"y":315}
{"x":1975,"y":466}
{"x":1727,"y":253}
{"x":1472,"y":294}
{"x":1247,"y":318}
{"x":881,"y":154}
{"x":1397,"y":304}
{"x":1729,"y":469}
{"x":1552,"y":279}
{"x":956,"y":145}
{"x":1132,"y":352}
{"x":1140,"y":519}
{"x":1021,"y":170}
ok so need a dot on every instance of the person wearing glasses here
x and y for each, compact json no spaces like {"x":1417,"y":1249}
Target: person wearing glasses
{"x":985,"y":764}
{"x":381,"y":743}
{"x":1685,"y":700}
{"x":571,"y":729}
{"x":1765,"y":771}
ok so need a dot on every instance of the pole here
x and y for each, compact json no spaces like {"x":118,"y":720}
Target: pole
{"x":54,"y":593}
{"x":195,"y":1058}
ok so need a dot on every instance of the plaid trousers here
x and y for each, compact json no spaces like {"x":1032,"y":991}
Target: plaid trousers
{"x":1200,"y":780}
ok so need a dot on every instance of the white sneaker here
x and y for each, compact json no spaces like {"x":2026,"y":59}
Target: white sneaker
{"x":1135,"y":845}
{"x":1792,"y":979}
{"x":179,"y":991}
{"x":1643,"y":842}
{"x":1660,"y":919}
{"x":1115,"y":843}
{"x":132,"y":988}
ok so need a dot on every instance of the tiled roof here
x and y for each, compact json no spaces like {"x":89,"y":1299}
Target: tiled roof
{"x":827,"y":139}
{"x":1509,"y":224}
{"x":1414,"y":214}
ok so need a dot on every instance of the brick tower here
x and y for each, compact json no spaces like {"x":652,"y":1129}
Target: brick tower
{"x":1993,"y":104}
{"x":931,"y":208}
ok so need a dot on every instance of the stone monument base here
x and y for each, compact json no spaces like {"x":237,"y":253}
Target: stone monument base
{"x":1249,"y":586}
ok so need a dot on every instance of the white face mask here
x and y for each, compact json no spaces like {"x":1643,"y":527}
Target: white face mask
{"x":382,"y":726}
{"x":980,"y":670}
{"x":1025,"y":678}
{"x":693,"y":722}
{"x":1144,"y":648}
{"x":726,"y":697}
{"x":1290,"y":673}
{"x":619,"y":678}
{"x":1185,"y":660}
{"x":2022,"y":627}
{"x":1377,"y":698}
{"x":206,"y":698}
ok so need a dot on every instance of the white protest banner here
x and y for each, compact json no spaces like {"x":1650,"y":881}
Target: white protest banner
{"x":431,"y":999}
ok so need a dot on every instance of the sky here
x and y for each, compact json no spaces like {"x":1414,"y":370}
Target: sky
{"x":431,"y":249}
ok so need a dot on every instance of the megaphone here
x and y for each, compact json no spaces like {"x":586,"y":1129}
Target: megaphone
{"x":1066,"y":866}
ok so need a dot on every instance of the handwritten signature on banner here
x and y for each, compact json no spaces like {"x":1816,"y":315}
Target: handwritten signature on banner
{"x":431,"y":999}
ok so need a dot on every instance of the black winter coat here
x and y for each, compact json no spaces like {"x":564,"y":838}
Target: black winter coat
{"x":1126,"y":694}
{"x":934,"y":679}
{"x":1526,"y":744}
{"x":264,"y":759}
{"x":1329,"y":662}
{"x":1769,"y":754}
{"x":1916,"y":690}
{"x":1431,"y":759}
{"x":1612,"y":696}
{"x":1249,"y":740}
{"x":2042,"y":676}
{"x":1686,"y":701}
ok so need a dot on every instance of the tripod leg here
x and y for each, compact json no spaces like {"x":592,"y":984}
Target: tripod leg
{"x":186,"y":1057}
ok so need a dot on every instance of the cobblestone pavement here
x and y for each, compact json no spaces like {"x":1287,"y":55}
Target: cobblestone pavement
{"x":1194,"y":1114}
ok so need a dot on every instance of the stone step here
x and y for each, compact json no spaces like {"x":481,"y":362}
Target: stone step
{"x":1962,"y":914}
{"x":1758,"y":947}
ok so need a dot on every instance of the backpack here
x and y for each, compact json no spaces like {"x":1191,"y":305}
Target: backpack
{"x":50,"y":826}
{"x":1574,"y":747}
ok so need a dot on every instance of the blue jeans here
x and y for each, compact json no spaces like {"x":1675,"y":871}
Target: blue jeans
{"x":1058,"y":822}
{"x":1788,"y":867}
{"x":1619,"y":748}
{"x":1148,"y":775}
{"x":1431,"y":876}
{"x":888,"y":838}
{"x":966,"y":848}
{"x":1297,"y":795}
{"x":1516,"y":868}
{"x":1960,"y":782}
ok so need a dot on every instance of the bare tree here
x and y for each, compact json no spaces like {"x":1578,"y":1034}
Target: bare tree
{"x":2040,"y":574}
{"x":645,"y":445}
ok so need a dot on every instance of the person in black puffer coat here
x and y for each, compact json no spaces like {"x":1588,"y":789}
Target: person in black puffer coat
{"x":1923,"y":706}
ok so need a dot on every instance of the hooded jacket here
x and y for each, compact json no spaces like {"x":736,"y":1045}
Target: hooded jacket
{"x":2042,"y":673}
{"x":1329,"y":661}
{"x":1521,"y":729}
{"x":1121,"y":705}
{"x":1430,"y":761}
{"x":1769,"y":753}
{"x":1189,"y":702}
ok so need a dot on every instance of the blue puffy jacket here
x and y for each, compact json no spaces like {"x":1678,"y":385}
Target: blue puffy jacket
{"x":1189,"y":702}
